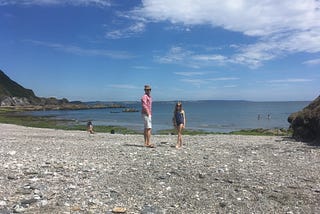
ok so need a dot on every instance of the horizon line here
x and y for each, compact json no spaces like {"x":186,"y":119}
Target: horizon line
{"x":204,"y":100}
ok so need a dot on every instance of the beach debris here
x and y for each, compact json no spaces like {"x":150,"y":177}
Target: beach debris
{"x":119,"y":210}
{"x":75,"y":208}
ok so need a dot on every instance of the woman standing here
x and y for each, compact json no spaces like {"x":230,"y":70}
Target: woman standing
{"x":179,"y":122}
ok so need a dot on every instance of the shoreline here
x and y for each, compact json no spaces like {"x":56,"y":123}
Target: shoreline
{"x":200,"y":121}
{"x":57,"y":171}
{"x":9,"y":116}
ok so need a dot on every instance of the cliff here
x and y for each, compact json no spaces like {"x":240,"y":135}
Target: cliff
{"x":13,"y":95}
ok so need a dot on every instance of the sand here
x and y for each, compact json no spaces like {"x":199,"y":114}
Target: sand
{"x":55,"y":171}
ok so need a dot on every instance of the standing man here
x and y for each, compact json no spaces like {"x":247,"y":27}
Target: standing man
{"x":146,"y":101}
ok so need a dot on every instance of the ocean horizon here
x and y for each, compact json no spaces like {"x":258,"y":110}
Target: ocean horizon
{"x":206,"y":115}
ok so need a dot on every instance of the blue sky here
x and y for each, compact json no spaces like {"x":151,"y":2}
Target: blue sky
{"x":88,"y":50}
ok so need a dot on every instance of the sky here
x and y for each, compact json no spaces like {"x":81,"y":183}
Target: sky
{"x":107,"y":50}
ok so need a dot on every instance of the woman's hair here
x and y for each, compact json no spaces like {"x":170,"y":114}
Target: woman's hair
{"x":176,"y":108}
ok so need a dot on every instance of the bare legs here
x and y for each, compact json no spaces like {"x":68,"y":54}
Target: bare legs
{"x":179,"y":141}
{"x":147,"y":137}
{"x":90,"y":129}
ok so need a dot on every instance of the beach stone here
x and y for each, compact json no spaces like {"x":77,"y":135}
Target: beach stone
{"x":18,"y":209}
{"x":201,"y":175}
{"x":86,"y":175}
{"x":28,"y":201}
{"x":222,"y":204}
{"x":44,"y":202}
{"x":75,"y":208}
{"x":37,"y":197}
{"x":12,"y":153}
{"x":5,"y":211}
{"x":3,"y":203}
{"x":12,"y":177}
{"x":148,"y":209}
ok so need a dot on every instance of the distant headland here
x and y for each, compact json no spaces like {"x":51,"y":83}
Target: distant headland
{"x":15,"y":96}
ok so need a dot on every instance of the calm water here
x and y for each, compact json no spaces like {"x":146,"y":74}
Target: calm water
{"x":216,"y":116}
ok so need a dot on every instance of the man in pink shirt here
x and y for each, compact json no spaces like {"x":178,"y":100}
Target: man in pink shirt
{"x":146,"y":101}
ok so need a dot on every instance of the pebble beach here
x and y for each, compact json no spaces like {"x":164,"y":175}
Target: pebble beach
{"x":56,"y":171}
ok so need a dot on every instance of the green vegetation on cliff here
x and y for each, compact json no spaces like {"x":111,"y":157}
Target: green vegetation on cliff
{"x":10,"y":88}
{"x":15,"y":96}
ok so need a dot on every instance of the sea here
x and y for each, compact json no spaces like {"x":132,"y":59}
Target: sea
{"x":209,"y":116}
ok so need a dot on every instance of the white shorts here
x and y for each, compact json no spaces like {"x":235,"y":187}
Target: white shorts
{"x":147,"y":121}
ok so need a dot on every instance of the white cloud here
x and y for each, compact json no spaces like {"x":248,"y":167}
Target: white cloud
{"x":280,"y":27}
{"x":313,"y":62}
{"x":101,"y":3}
{"x":141,"y":67}
{"x":210,"y":58}
{"x":175,"y":55}
{"x":182,"y":56}
{"x":290,"y":80}
{"x":204,"y":81}
{"x":236,"y":15}
{"x":190,"y":73}
{"x":130,"y":31}
{"x":82,"y":51}
{"x":224,"y":78}
{"x":278,"y":45}
{"x":230,"y":86}
{"x":196,"y":82}
{"x":123,"y":86}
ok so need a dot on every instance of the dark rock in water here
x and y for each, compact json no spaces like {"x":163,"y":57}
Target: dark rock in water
{"x":130,"y":110}
{"x":306,"y":123}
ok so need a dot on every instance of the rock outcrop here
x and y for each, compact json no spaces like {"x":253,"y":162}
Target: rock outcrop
{"x":10,"y":88}
{"x":14,"y":101}
{"x":13,"y":94}
{"x":306,"y":123}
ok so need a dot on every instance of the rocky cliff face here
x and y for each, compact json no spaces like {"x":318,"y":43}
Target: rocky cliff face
{"x":14,"y":95}
{"x":306,"y":123}
{"x":14,"y":101}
